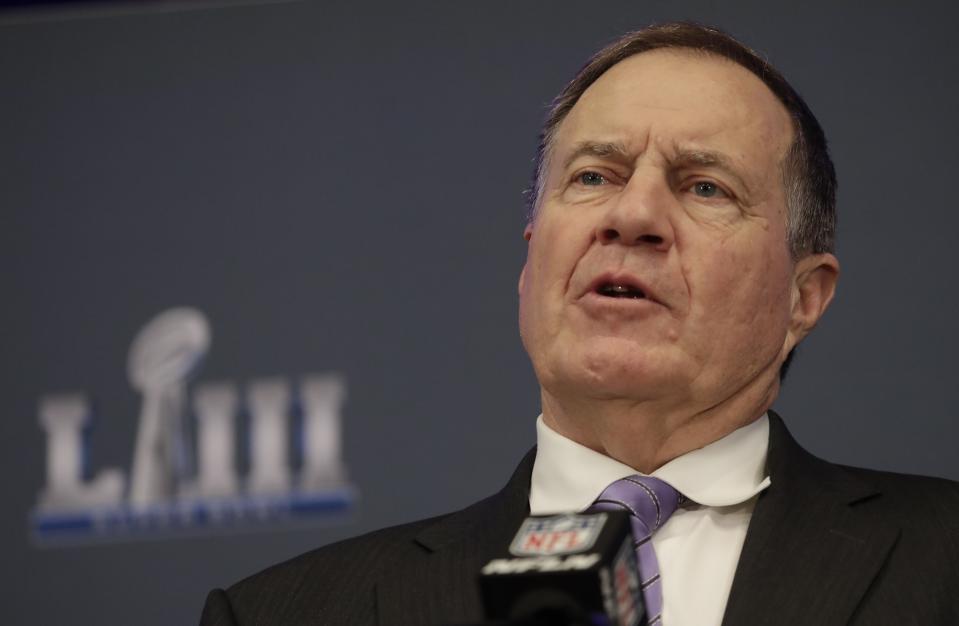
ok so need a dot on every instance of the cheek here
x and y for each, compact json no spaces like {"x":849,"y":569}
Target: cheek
{"x":554,"y":252}
{"x":543,"y":265}
{"x":745,"y":292}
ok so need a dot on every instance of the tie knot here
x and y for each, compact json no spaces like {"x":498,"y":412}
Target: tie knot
{"x":648,"y":500}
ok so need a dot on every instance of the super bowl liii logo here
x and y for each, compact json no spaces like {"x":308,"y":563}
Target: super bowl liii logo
{"x":184,"y":481}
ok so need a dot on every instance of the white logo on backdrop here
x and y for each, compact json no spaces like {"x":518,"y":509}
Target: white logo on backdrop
{"x":175,"y":485}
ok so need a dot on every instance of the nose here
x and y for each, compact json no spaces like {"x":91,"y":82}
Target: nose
{"x":639,"y":215}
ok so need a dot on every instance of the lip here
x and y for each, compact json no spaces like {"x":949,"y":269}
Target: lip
{"x":620,"y":278}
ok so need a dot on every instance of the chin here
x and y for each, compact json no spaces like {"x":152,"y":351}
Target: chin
{"x":612,"y":370}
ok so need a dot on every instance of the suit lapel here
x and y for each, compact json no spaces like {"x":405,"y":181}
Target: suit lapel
{"x":438,"y":583}
{"x":810,"y":553}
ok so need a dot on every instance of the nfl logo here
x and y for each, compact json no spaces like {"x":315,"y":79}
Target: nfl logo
{"x":557,"y":534}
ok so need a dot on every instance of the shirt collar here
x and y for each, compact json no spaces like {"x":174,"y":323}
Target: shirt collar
{"x":568,"y":476}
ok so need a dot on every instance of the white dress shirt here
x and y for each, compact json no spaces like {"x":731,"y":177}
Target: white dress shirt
{"x":698,"y":547}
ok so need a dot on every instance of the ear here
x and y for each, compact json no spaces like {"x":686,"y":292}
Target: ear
{"x":814,"y":284}
{"x":527,"y":235}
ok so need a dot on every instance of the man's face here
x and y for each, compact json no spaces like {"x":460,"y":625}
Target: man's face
{"x":658,"y":266}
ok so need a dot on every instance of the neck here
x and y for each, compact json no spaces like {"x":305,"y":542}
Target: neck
{"x":646,"y":434}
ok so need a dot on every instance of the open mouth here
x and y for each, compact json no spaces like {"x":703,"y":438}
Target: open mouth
{"x":614,"y":290}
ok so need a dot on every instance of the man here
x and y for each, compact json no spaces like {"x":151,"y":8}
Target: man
{"x":680,"y":247}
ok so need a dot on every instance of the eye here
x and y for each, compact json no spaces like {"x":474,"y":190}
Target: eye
{"x":591,"y":179}
{"x":706,"y":189}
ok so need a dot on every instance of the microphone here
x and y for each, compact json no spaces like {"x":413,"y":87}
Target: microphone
{"x":566,"y":570}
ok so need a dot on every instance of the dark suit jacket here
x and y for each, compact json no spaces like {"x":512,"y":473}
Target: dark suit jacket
{"x":827,"y":545}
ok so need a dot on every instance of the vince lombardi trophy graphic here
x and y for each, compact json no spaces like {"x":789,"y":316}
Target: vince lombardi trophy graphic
{"x":162,"y":358}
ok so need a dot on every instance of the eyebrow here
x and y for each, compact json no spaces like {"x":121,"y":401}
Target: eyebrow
{"x":602,"y":149}
{"x":708,"y":158}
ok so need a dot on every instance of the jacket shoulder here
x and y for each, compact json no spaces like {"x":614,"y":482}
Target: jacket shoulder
{"x":331,"y":584}
{"x":343,"y":582}
{"x":913,"y":500}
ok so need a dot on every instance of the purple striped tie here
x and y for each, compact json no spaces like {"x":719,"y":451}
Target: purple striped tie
{"x":649,"y":502}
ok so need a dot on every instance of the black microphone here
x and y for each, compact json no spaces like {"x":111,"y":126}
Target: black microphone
{"x":566,"y":570}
